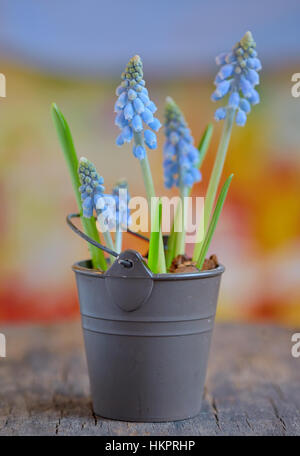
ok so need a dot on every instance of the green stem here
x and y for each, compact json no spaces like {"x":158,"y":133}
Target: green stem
{"x":67,"y":145}
{"x":146,"y":170}
{"x":150,"y":191}
{"x":109,"y":243}
{"x":148,"y":178}
{"x":180,"y":238}
{"x":118,"y":240}
{"x":215,"y":179}
{"x":156,"y":248}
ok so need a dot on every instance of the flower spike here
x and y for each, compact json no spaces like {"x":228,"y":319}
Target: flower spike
{"x":92,"y":197}
{"x":122,"y":197}
{"x":91,"y":188}
{"x":180,"y":154}
{"x":237,"y":77}
{"x":135,"y":109}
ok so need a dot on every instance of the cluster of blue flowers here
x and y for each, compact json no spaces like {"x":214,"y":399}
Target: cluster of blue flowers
{"x":180,"y":155}
{"x":237,"y":77}
{"x":134,"y":109}
{"x":91,"y":188}
{"x":121,"y":195}
{"x":113,"y":208}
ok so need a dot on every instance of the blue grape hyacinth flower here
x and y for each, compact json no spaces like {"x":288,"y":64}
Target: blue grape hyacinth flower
{"x":114,"y":207}
{"x":121,"y":194}
{"x":180,"y":155}
{"x":237,"y":78}
{"x":135,"y":110}
{"x":91,"y":188}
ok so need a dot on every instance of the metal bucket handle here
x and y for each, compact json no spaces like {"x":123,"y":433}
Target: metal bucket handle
{"x":124,"y":262}
{"x":128,"y":295}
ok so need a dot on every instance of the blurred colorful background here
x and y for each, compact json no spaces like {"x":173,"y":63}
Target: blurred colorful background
{"x":73,"y":53}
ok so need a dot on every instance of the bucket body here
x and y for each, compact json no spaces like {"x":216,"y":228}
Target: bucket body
{"x":147,"y":338}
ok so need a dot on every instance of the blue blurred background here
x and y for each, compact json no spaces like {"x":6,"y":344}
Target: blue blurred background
{"x":176,"y":38}
{"x":73,"y":52}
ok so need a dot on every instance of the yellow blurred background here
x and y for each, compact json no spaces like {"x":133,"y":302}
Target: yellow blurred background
{"x":257,"y":238}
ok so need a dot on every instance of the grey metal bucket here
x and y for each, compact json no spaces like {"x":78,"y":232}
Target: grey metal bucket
{"x":147,"y":338}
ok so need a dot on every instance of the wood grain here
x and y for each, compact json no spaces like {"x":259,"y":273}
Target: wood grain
{"x":252,"y":386}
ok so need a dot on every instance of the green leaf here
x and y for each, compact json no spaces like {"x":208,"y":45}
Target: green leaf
{"x":183,"y":212}
{"x":204,"y":143}
{"x":215,"y":179}
{"x":67,"y":145}
{"x":214,"y":221}
{"x":170,"y":253}
{"x":156,"y":255}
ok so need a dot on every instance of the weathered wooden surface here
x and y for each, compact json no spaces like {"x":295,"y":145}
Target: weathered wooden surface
{"x":253,"y":386}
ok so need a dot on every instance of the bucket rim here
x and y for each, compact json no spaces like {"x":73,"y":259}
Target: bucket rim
{"x":79,"y":268}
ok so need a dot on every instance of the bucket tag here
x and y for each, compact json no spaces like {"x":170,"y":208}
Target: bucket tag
{"x":129,"y":287}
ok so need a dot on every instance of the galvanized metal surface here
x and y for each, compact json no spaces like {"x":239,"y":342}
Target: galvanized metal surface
{"x":147,"y":339}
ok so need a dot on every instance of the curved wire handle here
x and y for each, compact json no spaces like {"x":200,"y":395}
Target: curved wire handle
{"x":126,"y":263}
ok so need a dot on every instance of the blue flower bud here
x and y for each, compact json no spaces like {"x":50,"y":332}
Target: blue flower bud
{"x":138,"y":88}
{"x":188,"y":179}
{"x":230,"y":57}
{"x":144,"y":98}
{"x":151,"y":106}
{"x":87,"y":203}
{"x":254,"y":97}
{"x":122,"y":100}
{"x":226,"y":71}
{"x":117,"y":107}
{"x":119,"y":90}
{"x":220,"y":113}
{"x":234,"y":100}
{"x":132,"y":94}
{"x":147,"y":116}
{"x":241,"y":118}
{"x":128,"y":111}
{"x":218,"y":79}
{"x":120,"y":120}
{"x":155,"y":124}
{"x":138,"y":106}
{"x":196,"y":173}
{"x":139,"y":152}
{"x":245,"y":106}
{"x":193,"y":154}
{"x":150,"y":139}
{"x":222,"y":88}
{"x":245,"y":86}
{"x":120,"y":140}
{"x":137,"y":123}
{"x":253,"y":77}
{"x":127,"y":134}
{"x":254,"y":64}
{"x":215,"y":97}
